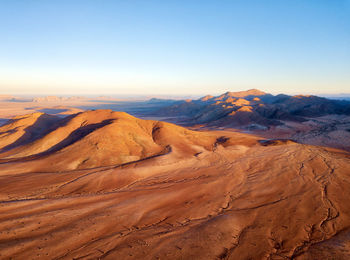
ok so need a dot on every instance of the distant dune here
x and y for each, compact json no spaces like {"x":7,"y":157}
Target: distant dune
{"x":107,"y":185}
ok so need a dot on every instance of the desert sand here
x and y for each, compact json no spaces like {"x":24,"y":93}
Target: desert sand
{"x":106,"y":185}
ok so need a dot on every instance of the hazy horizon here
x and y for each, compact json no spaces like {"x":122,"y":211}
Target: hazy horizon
{"x":345,"y":96}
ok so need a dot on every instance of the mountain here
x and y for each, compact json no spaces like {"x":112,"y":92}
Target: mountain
{"x":251,"y":93}
{"x":265,"y":109}
{"x":106,"y":185}
{"x":105,"y":137}
{"x":276,"y":116}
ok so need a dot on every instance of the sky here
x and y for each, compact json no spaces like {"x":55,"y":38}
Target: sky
{"x":190,"y":47}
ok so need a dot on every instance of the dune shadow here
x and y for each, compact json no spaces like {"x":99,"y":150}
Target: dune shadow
{"x":73,"y":137}
{"x":3,"y":121}
{"x":42,"y":126}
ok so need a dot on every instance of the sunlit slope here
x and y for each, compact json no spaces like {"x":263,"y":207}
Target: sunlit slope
{"x":103,"y":137}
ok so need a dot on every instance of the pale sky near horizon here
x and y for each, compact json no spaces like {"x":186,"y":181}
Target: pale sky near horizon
{"x":173,"y":47}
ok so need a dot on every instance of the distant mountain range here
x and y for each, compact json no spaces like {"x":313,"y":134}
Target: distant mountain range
{"x":254,"y":109}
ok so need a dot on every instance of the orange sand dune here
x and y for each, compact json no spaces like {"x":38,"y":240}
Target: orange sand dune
{"x":179,"y":194}
{"x":101,"y":138}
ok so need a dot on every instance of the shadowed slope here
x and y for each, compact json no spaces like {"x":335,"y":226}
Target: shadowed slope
{"x":25,"y":129}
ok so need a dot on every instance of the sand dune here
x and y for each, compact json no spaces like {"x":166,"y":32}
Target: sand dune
{"x":106,"y":137}
{"x":181,"y":195}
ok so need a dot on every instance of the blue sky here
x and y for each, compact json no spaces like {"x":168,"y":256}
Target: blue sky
{"x":174,"y":47}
